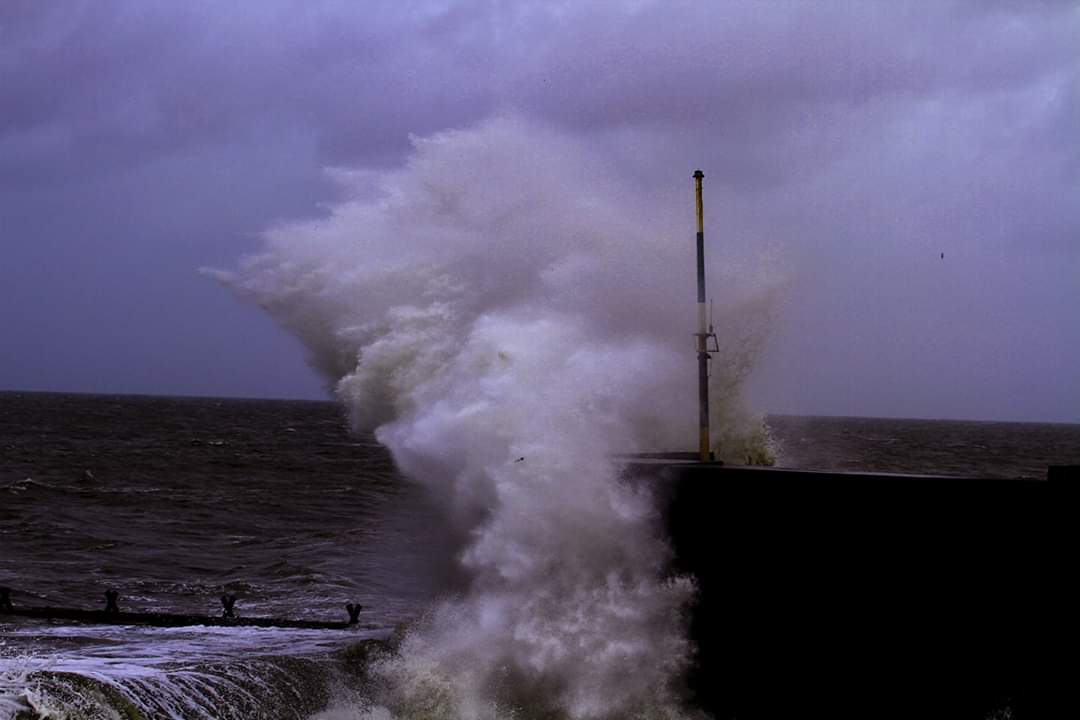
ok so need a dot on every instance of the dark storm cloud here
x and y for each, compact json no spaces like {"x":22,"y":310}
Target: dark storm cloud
{"x":142,"y":139}
{"x":119,"y":81}
{"x":89,"y":86}
{"x":717,"y":63}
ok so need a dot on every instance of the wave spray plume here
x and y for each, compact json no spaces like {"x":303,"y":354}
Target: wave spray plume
{"x":500,"y":312}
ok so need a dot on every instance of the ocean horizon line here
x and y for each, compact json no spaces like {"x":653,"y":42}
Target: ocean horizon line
{"x":331,"y":400}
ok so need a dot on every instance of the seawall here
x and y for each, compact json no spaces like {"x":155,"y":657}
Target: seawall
{"x":868,"y":595}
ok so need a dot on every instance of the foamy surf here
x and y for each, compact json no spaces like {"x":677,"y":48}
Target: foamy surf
{"x":182,"y":673}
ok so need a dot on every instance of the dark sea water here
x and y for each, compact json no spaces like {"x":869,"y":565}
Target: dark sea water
{"x":174,"y":501}
{"x":925,"y":447}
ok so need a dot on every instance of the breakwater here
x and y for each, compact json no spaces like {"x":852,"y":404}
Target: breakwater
{"x":873,"y":595}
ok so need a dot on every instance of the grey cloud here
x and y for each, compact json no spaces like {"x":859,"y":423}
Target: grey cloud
{"x":120,"y":80}
{"x":848,"y":138}
{"x":117,"y":83}
{"x":681,"y":63}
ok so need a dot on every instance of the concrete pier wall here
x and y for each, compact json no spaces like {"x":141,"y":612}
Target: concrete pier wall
{"x":868,"y":595}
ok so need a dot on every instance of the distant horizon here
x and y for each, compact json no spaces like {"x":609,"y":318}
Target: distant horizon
{"x":335,"y":401}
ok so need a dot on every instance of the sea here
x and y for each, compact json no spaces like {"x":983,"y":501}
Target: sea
{"x":173,"y":502}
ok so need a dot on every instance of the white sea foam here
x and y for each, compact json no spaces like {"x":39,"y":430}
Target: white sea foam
{"x":506,"y":317}
{"x":201,"y":672}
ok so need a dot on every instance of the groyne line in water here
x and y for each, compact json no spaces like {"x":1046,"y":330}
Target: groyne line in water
{"x":113,"y":616}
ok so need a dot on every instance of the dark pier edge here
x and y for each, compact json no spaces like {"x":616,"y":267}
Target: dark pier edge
{"x":872,"y":596}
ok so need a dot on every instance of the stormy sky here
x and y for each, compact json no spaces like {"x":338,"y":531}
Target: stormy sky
{"x":858,"y":142}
